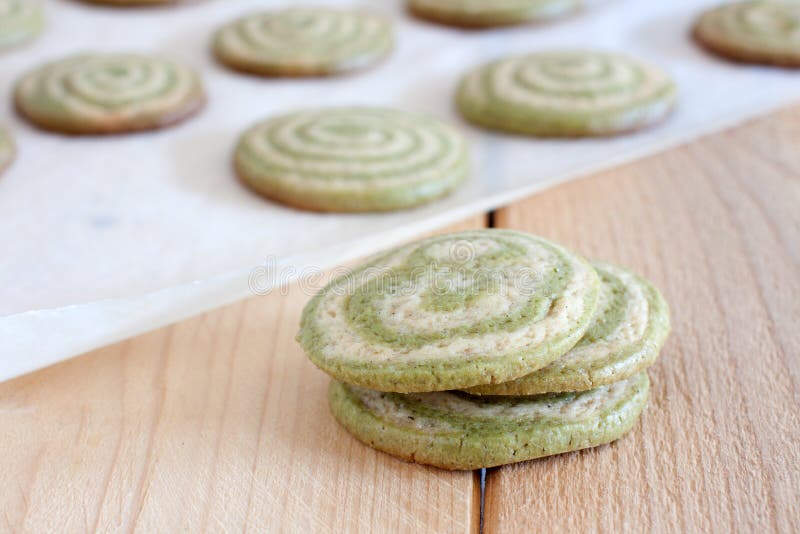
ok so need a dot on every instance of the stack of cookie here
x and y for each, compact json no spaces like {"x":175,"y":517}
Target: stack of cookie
{"x":485,"y":347}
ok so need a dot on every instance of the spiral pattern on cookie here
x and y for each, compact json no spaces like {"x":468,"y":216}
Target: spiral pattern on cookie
{"x":490,"y":12}
{"x":301,"y":41}
{"x":565,"y":92}
{"x":352,"y":159}
{"x":765,"y":31}
{"x":630,"y":325}
{"x":109,"y":93}
{"x":6,"y":150}
{"x":20,"y":21}
{"x":479,"y":306}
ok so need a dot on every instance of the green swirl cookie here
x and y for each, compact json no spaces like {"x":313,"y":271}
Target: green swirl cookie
{"x":7,"y":150}
{"x":108,"y":93}
{"x":629,"y":328}
{"x":450,"y":312}
{"x":566,"y":94}
{"x":20,"y":21}
{"x":304,"y":42}
{"x":485,"y":13}
{"x":352,"y":159}
{"x":761,"y":31}
{"x":454,"y":430}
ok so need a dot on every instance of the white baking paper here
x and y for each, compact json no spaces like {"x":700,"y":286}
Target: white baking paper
{"x":104,"y":238}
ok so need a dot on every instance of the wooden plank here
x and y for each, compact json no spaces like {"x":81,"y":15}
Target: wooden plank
{"x":716,"y":225}
{"x":218,"y":423}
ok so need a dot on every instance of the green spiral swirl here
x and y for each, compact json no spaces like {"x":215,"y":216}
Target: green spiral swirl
{"x":352,"y":159}
{"x":629,"y":328}
{"x":476,"y":307}
{"x":109,"y":93}
{"x":20,"y":21}
{"x":761,"y":31}
{"x":572,"y":93}
{"x":304,"y":42}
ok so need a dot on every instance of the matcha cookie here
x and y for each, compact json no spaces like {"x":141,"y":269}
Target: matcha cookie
{"x":6,"y":150}
{"x":630,"y":325}
{"x":454,"y":430}
{"x":452,"y":311}
{"x":484,"y":13}
{"x":762,"y":31}
{"x":304,"y":42}
{"x":108,"y":93}
{"x":566,"y":94}
{"x":20,"y":21}
{"x":352,"y":159}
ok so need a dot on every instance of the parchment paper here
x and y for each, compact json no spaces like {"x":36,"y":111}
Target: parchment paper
{"x":104,"y":238}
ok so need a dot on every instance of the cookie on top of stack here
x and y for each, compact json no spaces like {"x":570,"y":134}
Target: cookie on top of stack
{"x":485,"y":347}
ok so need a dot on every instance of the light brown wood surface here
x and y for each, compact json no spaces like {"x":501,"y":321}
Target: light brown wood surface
{"x":220,"y":424}
{"x":716,"y":226}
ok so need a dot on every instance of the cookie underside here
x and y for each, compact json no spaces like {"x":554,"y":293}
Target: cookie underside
{"x":454,"y":430}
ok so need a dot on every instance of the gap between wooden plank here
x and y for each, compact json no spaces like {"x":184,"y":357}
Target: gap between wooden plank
{"x":480,"y":474}
{"x":490,"y":219}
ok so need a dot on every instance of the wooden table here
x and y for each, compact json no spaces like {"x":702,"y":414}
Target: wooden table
{"x":219,"y":423}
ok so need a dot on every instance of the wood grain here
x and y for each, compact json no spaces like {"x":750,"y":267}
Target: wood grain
{"x":716,"y":225}
{"x":218,"y":423}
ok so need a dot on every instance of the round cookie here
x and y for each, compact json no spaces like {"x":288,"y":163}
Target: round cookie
{"x":304,"y":42}
{"x":7,"y":150}
{"x":761,"y":31}
{"x":454,"y":430}
{"x":20,"y":22}
{"x":486,"y":13}
{"x":352,"y":159}
{"x":452,"y":311}
{"x":566,"y":94}
{"x":108,"y":93}
{"x":629,"y":328}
